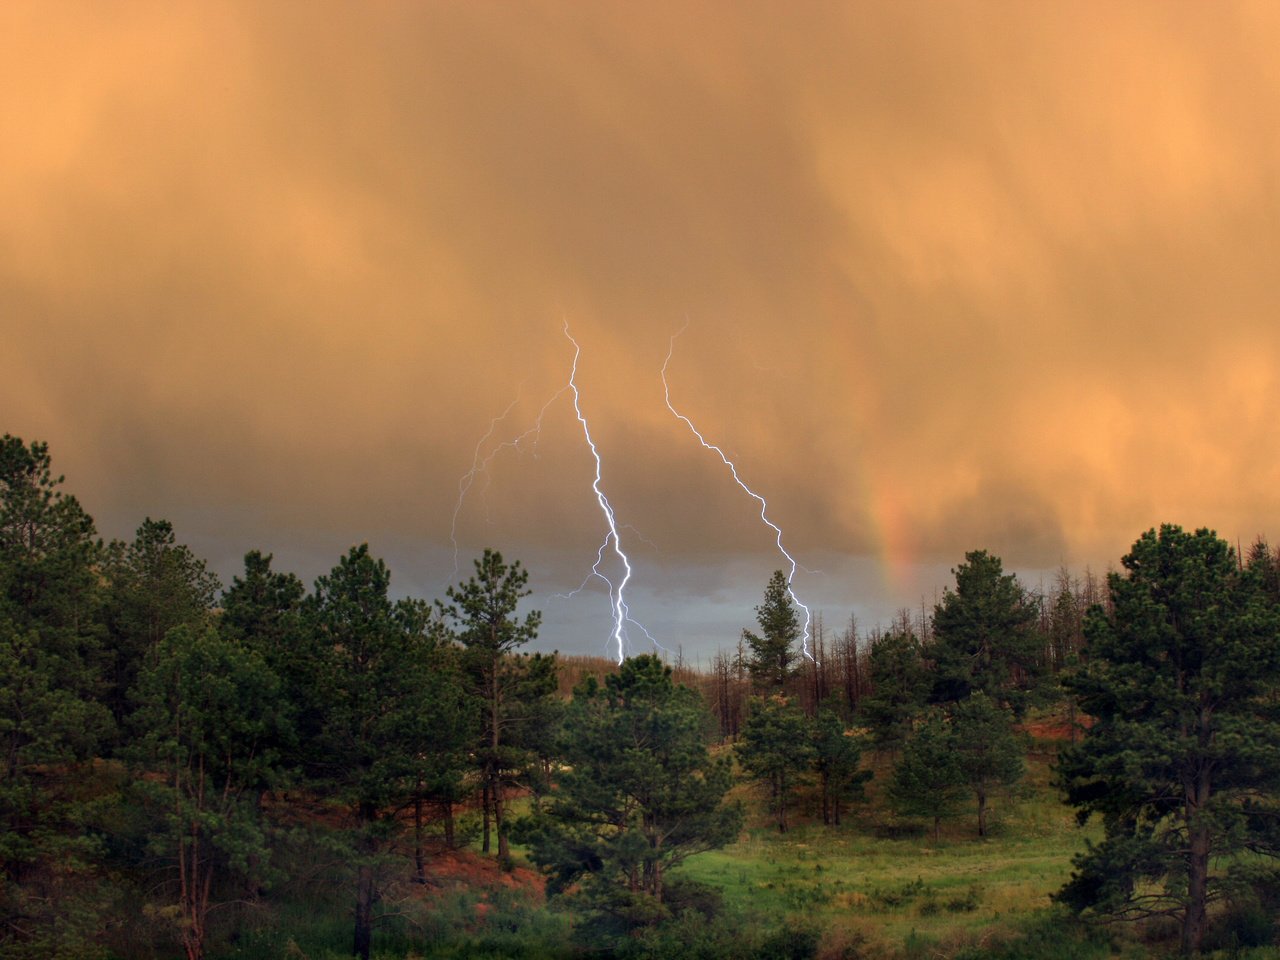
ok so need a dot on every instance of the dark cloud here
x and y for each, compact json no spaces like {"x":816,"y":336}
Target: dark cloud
{"x":989,"y":275}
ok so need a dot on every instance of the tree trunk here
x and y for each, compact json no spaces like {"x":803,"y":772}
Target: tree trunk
{"x":484,"y":803}
{"x":499,"y":825}
{"x":364,"y":911}
{"x":1197,"y":890}
{"x":448,"y":823}
{"x":365,"y":892}
{"x":419,"y":859}
{"x":1193,"y":920}
{"x":982,"y":813}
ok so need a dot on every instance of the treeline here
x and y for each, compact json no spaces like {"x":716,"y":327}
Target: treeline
{"x":853,"y":667}
{"x":164,"y":737}
{"x":175,"y":749}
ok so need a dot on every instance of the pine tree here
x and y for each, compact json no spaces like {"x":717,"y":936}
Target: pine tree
{"x":837,"y":751}
{"x":51,"y":720}
{"x":776,"y":749}
{"x":1182,"y":760}
{"x":900,"y":685}
{"x":156,"y":584}
{"x":378,"y":683}
{"x":984,"y":636}
{"x":988,"y":752}
{"x":209,"y":716}
{"x":927,"y":780}
{"x":484,"y":613}
{"x":773,"y":653}
{"x":637,"y":795}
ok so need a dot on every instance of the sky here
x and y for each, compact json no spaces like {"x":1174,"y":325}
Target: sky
{"x":944,"y":276}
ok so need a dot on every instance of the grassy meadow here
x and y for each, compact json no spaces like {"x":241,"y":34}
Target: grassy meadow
{"x":876,"y":887}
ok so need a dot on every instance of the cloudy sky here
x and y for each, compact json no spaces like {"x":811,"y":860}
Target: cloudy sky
{"x":949,"y":275}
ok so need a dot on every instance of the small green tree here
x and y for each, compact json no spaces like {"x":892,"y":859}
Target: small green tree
{"x":986,"y":748}
{"x":156,"y":584}
{"x":773,"y":653}
{"x":927,"y":780}
{"x":1182,"y":760}
{"x":484,"y":613}
{"x":900,"y":685}
{"x":638,"y":794}
{"x":837,"y":751}
{"x":49,"y":735}
{"x":209,"y":712}
{"x":984,"y":636}
{"x":776,"y":749}
{"x":261,"y":608}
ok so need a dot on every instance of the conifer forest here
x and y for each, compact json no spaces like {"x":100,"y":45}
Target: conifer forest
{"x":270,"y":769}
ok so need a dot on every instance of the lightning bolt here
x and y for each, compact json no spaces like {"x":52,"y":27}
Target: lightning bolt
{"x":733,"y":470}
{"x":480,"y":464}
{"x":617,"y":593}
{"x":481,"y":461}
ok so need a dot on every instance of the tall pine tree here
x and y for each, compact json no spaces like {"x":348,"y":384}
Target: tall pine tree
{"x":1182,"y":760}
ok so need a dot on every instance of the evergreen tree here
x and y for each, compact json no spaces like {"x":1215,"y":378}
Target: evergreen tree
{"x":51,"y":721}
{"x":986,"y":748}
{"x":984,"y":636}
{"x":445,"y":733}
{"x":773,"y":653}
{"x":837,"y":751}
{"x":379,"y":681}
{"x":927,"y":780}
{"x":637,"y":795}
{"x":261,"y":608}
{"x":900,"y":685}
{"x":776,"y":749}
{"x":484,"y":611}
{"x":209,"y":714}
{"x":156,"y":584}
{"x":1182,"y":760}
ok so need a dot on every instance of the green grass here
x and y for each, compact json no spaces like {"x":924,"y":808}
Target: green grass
{"x":872,"y":878}
{"x":874,"y":889}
